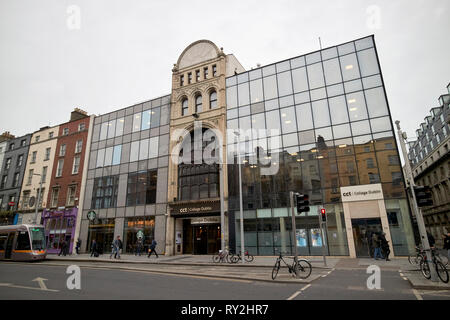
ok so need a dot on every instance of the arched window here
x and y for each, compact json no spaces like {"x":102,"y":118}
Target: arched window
{"x":213,"y":100}
{"x":198,"y":104}
{"x":184,"y":107}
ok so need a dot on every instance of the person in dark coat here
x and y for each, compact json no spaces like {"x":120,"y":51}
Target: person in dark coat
{"x":447,"y":244}
{"x":62,"y":248}
{"x":376,"y":244}
{"x":78,"y":246}
{"x":431,"y":240}
{"x":94,"y":248}
{"x":385,"y":250}
{"x":152,"y":249}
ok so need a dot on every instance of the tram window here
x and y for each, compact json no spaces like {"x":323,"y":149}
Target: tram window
{"x":3,"y":237}
{"x":23,"y":241}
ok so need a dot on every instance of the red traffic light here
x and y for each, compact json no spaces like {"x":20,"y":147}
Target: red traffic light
{"x":322,"y":211}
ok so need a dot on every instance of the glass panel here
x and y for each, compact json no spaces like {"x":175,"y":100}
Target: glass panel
{"x":360,"y":127}
{"x":290,"y":140}
{"x":155,"y":118}
{"x":332,"y":71}
{"x":153,"y":147}
{"x":325,"y":133}
{"x":231,"y":97}
{"x":338,"y":110}
{"x":321,"y":114}
{"x":304,"y":117}
{"x":284,"y":83}
{"x":364,"y":43}
{"x":318,"y":94}
{"x":108,"y":156}
{"x":352,"y":86}
{"x":255,"y":74}
{"x":143,"y":149}
{"x":329,"y":53}
{"x":283,"y":66}
{"x":116,"y":154}
{"x":100,"y":158}
{"x":111,"y":129}
{"x":137,"y":122}
{"x":315,"y":76}
{"x":341,"y":131}
{"x":134,"y":152}
{"x":368,"y":62}
{"x":273,"y":120}
{"x":104,"y":131}
{"x":119,"y":127}
{"x":373,"y":81}
{"x":302,"y":97}
{"x":346,"y":48}
{"x":288,"y":120}
{"x":243,"y":94}
{"x":298,"y":62}
{"x":300,"y":80}
{"x":349,"y":67}
{"x":269,"y":70}
{"x":270,"y":88}
{"x":335,"y":90}
{"x":313,"y":58}
{"x":306,"y":137}
{"x":356,"y":106}
{"x":376,"y":102}
{"x":146,"y":116}
{"x":256,"y":91}
{"x":381,"y":124}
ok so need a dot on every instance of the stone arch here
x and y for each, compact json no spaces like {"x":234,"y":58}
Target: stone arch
{"x":197,"y":52}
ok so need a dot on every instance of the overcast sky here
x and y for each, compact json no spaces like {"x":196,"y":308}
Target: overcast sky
{"x":104,"y":55}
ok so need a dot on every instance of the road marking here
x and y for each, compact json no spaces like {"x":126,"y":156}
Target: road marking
{"x":41,"y":282}
{"x":9,"y":285}
{"x":298,"y":292}
{"x":404,"y":278}
{"x":401,"y":274}
{"x":416,"y":293}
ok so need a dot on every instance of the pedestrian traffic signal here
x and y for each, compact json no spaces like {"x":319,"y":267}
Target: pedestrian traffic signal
{"x":302,"y":203}
{"x":423,"y":196}
{"x":324,"y":215}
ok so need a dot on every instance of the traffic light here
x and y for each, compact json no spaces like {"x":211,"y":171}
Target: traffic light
{"x":324,"y":215}
{"x":423,"y":196}
{"x":302,"y":203}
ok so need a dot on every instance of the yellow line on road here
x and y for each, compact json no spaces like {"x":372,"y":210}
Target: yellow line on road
{"x":416,"y":293}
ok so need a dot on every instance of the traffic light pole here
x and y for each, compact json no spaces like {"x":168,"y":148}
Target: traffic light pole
{"x":323,"y":227}
{"x":292,"y":194}
{"x":416,"y":209}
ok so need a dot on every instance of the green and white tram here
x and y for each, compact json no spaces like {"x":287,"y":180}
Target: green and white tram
{"x":22,"y":242}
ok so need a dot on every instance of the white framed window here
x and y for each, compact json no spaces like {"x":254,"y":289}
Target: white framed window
{"x":54,"y":200}
{"x":47,"y":153}
{"x":76,"y":165}
{"x":59,"y":168}
{"x":65,"y":131}
{"x":50,"y":135}
{"x":79,"y":146}
{"x":44,"y":174}
{"x":81,"y":127}
{"x":33,"y":157}
{"x":37,"y":138}
{"x":30,"y":176}
{"x":62,"y":150}
{"x":71,"y":195}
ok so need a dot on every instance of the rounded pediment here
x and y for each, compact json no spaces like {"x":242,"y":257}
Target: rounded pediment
{"x":198,"y":52}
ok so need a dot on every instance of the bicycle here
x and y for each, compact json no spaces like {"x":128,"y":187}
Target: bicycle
{"x":235,"y":258}
{"x":302,"y":268}
{"x":222,"y":256}
{"x":438,"y":265}
{"x":418,"y":257}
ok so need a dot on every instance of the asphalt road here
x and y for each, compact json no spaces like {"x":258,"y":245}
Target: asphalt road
{"x":16,"y":282}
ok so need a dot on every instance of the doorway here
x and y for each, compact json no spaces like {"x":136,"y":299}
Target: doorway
{"x":201,"y":239}
{"x":9,"y":245}
{"x":363,"y":229}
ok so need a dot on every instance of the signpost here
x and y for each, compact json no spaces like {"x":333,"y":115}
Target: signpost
{"x":323,"y":226}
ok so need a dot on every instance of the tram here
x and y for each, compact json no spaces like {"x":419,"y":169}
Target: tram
{"x":24,"y":242}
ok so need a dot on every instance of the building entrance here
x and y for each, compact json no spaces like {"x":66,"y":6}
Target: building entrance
{"x":201,"y":238}
{"x":363,"y":229}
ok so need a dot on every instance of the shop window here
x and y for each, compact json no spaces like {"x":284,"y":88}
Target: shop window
{"x":105,"y":192}
{"x":141,"y":187}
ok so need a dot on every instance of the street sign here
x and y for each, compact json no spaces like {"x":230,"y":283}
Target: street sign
{"x":11,"y":203}
{"x":91,"y":215}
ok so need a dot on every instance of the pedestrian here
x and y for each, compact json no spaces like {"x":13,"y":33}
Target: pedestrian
{"x":376,"y":245}
{"x":62,"y":247}
{"x":115,"y":248}
{"x":385,"y":250}
{"x":152,"y":249}
{"x":431,"y":240}
{"x":78,"y":246}
{"x":65,"y":248}
{"x":447,"y":244}
{"x":139,"y":247}
{"x":94,"y":249}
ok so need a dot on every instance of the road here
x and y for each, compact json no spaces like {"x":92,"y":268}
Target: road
{"x":16,"y":282}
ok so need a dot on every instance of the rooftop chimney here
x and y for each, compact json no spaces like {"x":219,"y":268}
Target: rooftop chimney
{"x":77,"y":114}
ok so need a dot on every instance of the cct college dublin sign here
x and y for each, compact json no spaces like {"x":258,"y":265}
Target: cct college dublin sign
{"x":194,"y":208}
{"x":362,"y":193}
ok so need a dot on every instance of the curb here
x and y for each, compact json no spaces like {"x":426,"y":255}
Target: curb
{"x":221,"y":276}
{"x":198,"y":264}
{"x":426,"y":286}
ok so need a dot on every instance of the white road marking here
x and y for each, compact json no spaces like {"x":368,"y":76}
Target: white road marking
{"x":9,"y":285}
{"x":416,"y":293}
{"x":298,"y":292}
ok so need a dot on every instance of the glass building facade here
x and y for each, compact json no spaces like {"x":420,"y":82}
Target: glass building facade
{"x":322,"y":121}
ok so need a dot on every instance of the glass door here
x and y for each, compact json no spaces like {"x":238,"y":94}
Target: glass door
{"x":363,"y":230}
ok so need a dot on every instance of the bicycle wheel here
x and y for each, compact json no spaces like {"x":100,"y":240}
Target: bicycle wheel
{"x":216,"y":258}
{"x":303,"y":269}
{"x":443,"y":259}
{"x":235,"y":258}
{"x":249,"y":258}
{"x":442,"y":272}
{"x":425,"y":269}
{"x":275,"y":269}
{"x":412,"y":259}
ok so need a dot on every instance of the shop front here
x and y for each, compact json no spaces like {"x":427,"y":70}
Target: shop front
{"x":102,"y":231}
{"x":138,"y":229}
{"x":197,"y":227}
{"x":59,"y":226}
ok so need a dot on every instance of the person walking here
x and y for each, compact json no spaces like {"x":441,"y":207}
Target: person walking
{"x":447,"y":244}
{"x":116,"y":246}
{"x":385,"y":250}
{"x":152,"y":249}
{"x":62,"y":248}
{"x":78,"y":246}
{"x":376,"y":245}
{"x":139,"y":247}
{"x":94,"y":249}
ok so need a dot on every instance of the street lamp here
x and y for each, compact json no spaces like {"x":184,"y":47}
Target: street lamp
{"x":237,"y":134}
{"x":38,"y":199}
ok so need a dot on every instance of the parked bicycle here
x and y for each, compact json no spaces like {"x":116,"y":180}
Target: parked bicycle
{"x":437,"y":264}
{"x":302,"y":268}
{"x":235,"y":258}
{"x":222,"y":256}
{"x":420,"y":254}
